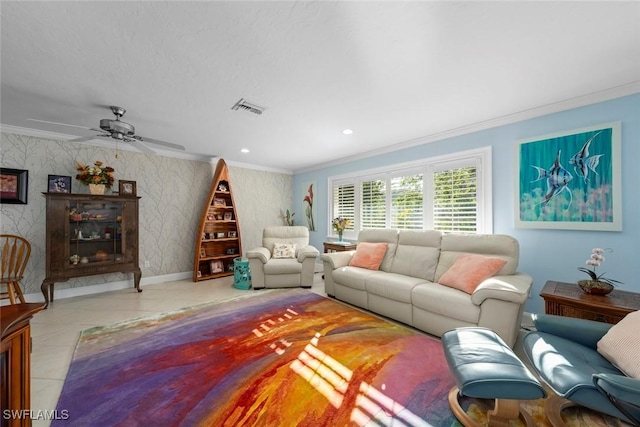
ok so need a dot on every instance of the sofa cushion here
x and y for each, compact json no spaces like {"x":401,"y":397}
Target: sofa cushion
{"x":353,"y":277}
{"x":621,"y":345}
{"x":392,"y":286}
{"x":445,"y":301}
{"x":417,"y":254}
{"x":282,"y":266}
{"x":284,"y":250}
{"x":382,"y":235}
{"x":494,"y":245}
{"x":369,"y":255}
{"x":470,"y":270}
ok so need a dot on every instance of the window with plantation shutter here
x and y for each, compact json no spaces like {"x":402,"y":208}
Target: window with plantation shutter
{"x":344,"y":203}
{"x":373,"y":204}
{"x":449,"y":193}
{"x":455,"y":200}
{"x":407,"y":202}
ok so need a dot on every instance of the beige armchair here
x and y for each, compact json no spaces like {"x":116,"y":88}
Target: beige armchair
{"x":285,"y":259}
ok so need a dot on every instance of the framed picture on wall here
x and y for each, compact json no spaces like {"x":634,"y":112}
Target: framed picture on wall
{"x":14,"y":186}
{"x":570,"y":180}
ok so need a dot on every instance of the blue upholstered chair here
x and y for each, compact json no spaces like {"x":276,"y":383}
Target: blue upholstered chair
{"x":563,"y":352}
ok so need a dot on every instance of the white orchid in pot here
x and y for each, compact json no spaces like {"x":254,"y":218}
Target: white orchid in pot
{"x":597,"y":284}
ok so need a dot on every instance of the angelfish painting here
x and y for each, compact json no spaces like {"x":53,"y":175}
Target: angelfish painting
{"x":570,"y":180}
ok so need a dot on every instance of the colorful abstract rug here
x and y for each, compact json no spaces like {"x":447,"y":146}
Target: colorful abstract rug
{"x":277,"y":358}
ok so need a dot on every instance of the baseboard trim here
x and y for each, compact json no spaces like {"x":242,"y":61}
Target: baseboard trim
{"x":105,"y":287}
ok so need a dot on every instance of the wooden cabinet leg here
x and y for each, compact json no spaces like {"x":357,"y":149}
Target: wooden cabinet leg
{"x":137,"y":275}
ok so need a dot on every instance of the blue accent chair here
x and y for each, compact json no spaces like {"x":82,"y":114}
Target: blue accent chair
{"x":563,"y":352}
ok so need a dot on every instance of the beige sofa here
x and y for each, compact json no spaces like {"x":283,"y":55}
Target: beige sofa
{"x":406,"y":288}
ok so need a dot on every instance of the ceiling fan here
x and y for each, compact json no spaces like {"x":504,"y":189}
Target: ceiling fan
{"x":120,"y":131}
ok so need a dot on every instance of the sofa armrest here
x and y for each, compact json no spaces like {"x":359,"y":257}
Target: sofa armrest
{"x":307,"y":252}
{"x":619,"y":387}
{"x":582,"y":331}
{"x":337,"y":259}
{"x":261,"y":253}
{"x":512,"y":288}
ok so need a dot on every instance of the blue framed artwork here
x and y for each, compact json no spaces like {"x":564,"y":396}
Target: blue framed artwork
{"x":570,"y":180}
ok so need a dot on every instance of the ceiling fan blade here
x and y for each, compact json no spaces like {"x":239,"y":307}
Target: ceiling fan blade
{"x":84,"y":138}
{"x":60,"y":124}
{"x":140,"y":146}
{"x":158,"y":142}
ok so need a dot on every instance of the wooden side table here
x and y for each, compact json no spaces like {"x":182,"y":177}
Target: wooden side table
{"x":567,"y":299}
{"x":339,"y":247}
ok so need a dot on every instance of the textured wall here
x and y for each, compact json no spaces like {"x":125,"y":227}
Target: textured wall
{"x":172,"y":191}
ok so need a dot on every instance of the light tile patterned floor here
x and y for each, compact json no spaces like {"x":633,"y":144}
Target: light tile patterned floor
{"x":55,"y":331}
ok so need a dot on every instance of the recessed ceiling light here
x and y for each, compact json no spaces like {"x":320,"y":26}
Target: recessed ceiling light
{"x":347,"y":131}
{"x":244,"y":150}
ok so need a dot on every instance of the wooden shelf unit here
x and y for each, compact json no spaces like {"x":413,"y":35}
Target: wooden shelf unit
{"x":218,"y":241}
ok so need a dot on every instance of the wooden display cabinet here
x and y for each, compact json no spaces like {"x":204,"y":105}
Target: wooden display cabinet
{"x":88,"y":235}
{"x":218,"y":239}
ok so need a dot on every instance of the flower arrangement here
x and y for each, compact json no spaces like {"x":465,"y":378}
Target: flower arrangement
{"x":594,"y":261}
{"x":95,"y":174}
{"x":339,"y":224}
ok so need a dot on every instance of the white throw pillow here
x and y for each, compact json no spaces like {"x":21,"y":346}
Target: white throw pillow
{"x":621,"y":345}
{"x":284,"y":250}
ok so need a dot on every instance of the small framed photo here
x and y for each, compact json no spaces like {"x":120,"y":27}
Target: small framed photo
{"x":203,"y":252}
{"x":13,"y":186}
{"x":219,"y":217}
{"x":231,"y":251}
{"x":220,"y":235}
{"x":59,"y":184}
{"x":232,"y":234}
{"x":219,"y":202}
{"x":228,"y":216}
{"x":216,"y":266}
{"x":127,"y":188}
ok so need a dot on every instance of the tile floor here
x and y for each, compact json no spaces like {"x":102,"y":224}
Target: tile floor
{"x":55,"y":331}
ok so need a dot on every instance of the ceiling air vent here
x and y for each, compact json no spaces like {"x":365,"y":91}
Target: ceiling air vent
{"x":245,"y":105}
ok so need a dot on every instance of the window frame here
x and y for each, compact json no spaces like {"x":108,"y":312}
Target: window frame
{"x":479,"y":158}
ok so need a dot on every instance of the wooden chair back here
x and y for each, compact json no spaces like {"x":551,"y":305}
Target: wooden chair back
{"x":14,"y":255}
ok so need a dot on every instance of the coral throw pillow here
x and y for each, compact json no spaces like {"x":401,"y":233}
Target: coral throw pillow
{"x":621,"y":345}
{"x":470,"y":270}
{"x":284,"y":250}
{"x":369,"y":255}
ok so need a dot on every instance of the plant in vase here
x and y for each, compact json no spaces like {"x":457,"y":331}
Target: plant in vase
{"x":96,"y":176}
{"x":596,"y":284}
{"x":340,"y":224}
{"x":288,"y":218}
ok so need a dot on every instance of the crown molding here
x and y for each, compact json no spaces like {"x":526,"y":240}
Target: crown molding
{"x":557,"y":107}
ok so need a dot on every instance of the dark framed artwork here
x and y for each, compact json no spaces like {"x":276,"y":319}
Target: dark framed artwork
{"x":59,"y":184}
{"x":126,"y":188}
{"x":570,"y":180}
{"x":14,"y":185}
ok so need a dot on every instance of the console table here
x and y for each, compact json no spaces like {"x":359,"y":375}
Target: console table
{"x":339,"y":246}
{"x":567,"y":299}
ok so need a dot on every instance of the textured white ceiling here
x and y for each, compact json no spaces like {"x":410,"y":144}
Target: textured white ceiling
{"x":392,"y":71}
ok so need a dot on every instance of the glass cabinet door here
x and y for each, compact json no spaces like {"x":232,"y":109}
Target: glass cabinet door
{"x":96,"y":234}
